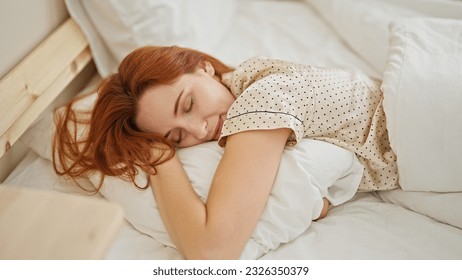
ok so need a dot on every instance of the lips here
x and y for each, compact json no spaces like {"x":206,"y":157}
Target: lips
{"x":216,"y":135}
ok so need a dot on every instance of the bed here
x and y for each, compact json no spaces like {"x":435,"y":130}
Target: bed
{"x":414,"y":46}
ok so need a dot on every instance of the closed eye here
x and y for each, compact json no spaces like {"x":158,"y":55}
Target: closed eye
{"x":191,"y":104}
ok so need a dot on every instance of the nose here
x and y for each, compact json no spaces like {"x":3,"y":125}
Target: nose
{"x":198,"y":129}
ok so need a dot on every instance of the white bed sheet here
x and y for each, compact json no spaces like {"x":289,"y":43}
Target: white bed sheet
{"x":364,"y":228}
{"x":368,"y":228}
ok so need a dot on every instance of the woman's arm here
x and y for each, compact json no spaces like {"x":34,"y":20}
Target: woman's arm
{"x":243,"y":180}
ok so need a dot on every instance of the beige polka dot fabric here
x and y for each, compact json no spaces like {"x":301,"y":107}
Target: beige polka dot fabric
{"x":337,"y":106}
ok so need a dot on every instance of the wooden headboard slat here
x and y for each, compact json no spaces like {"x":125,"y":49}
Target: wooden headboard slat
{"x":38,"y":79}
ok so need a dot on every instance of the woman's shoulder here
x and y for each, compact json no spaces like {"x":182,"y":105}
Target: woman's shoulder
{"x":259,"y":62}
{"x":255,"y":69}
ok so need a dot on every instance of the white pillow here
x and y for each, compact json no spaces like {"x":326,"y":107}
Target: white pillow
{"x":422,"y":88}
{"x":114,"y":27}
{"x":432,"y":8}
{"x":308,"y":172}
{"x":443,"y":207}
{"x":363,"y":25}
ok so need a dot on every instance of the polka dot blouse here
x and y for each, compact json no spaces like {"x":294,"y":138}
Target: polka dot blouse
{"x":337,"y":106}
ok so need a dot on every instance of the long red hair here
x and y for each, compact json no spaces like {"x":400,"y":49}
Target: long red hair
{"x":113,"y":144}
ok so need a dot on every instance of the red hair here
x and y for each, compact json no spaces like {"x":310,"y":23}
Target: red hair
{"x":113,"y":144}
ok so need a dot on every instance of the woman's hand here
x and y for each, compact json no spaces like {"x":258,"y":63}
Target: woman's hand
{"x":325,"y":208}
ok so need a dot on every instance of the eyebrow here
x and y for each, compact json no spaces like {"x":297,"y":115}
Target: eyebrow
{"x":175,"y":111}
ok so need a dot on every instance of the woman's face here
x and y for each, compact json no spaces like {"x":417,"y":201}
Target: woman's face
{"x":188,"y":112}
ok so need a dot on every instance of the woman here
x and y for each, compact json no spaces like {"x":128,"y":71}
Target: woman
{"x":168,"y":97}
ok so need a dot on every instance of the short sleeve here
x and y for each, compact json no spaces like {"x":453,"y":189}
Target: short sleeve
{"x":271,"y":102}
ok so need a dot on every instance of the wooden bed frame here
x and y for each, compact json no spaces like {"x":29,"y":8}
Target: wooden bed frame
{"x":37,"y":80}
{"x":85,"y":226}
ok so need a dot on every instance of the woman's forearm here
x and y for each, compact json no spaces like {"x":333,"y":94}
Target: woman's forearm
{"x":183,"y":213}
{"x":186,"y":217}
{"x":243,"y":180}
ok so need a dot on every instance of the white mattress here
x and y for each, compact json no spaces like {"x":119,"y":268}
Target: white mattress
{"x":366,"y":227}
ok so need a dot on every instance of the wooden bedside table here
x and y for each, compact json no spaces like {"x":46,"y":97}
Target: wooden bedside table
{"x":50,"y":225}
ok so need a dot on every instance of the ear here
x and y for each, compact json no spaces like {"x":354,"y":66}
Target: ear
{"x":208,"y":68}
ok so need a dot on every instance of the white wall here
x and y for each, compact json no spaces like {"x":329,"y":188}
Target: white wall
{"x":23,"y":25}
